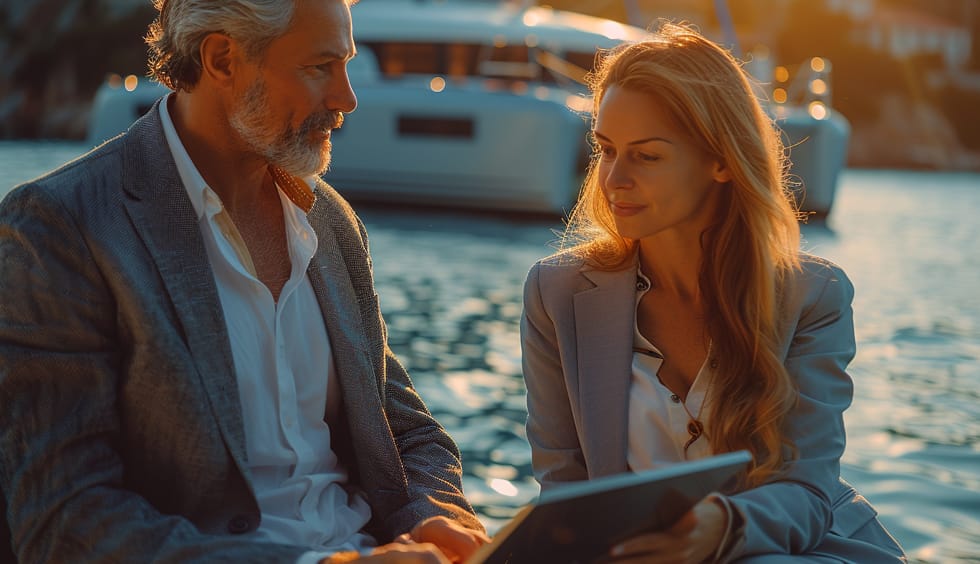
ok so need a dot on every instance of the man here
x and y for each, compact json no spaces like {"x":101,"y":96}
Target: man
{"x":193,"y":365}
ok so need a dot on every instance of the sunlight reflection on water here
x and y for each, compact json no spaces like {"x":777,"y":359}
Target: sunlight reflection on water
{"x":450,"y":285}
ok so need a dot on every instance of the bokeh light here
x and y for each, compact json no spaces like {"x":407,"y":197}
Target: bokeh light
{"x":437,"y":84}
{"x":817,"y":110}
{"x":503,"y":487}
{"x":818,"y":86}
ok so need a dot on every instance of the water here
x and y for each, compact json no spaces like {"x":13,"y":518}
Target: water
{"x":450,"y":285}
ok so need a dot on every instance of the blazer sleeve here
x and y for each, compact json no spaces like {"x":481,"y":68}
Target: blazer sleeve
{"x":792,"y":515}
{"x":60,"y":473}
{"x":556,"y":451}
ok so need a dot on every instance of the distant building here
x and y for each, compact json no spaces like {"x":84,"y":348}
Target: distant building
{"x":903,"y":33}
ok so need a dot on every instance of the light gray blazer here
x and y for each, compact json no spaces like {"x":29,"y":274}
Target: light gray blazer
{"x":577,"y":339}
{"x":121,"y":435}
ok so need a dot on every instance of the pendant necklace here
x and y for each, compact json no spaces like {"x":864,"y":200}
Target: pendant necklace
{"x":694,"y":426}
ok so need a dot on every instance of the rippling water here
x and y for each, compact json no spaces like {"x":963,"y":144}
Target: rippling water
{"x":450,"y":285}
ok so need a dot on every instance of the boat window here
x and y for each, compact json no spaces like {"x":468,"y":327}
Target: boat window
{"x":507,"y":61}
{"x":435,"y":126}
{"x":395,"y":59}
{"x":500,"y":60}
{"x":562,"y":70}
{"x":582,"y":59}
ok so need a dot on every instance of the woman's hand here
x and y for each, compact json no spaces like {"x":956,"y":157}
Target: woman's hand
{"x":694,"y":538}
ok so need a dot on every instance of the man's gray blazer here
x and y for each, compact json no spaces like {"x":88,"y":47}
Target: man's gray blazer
{"x":577,"y":338}
{"x":121,"y":435}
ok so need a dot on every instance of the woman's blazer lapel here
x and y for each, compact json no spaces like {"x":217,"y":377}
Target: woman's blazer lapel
{"x":604,"y":318}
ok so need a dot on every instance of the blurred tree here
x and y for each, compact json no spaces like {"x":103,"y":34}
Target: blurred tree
{"x":860,"y":74}
{"x":82,"y":41}
{"x":962,"y":107}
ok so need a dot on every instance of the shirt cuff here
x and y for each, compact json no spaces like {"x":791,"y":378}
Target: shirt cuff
{"x":314,"y":557}
{"x":735,"y":529}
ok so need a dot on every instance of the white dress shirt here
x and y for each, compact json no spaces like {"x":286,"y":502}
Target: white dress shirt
{"x":286,"y":378}
{"x":657,"y":424}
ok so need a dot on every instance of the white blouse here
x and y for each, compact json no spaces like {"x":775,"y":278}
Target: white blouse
{"x":657,"y":427}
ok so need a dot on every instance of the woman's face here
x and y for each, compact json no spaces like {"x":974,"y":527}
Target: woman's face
{"x":656,"y":181}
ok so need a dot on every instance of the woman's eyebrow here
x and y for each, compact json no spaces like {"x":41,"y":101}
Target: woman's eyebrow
{"x":637,"y":142}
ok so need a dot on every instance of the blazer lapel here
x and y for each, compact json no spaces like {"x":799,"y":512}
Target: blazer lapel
{"x":337,"y":297}
{"x":604,"y":341}
{"x":164,"y":218}
{"x":334,"y":270}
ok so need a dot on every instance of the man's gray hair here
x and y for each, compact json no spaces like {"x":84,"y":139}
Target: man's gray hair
{"x":175,"y":37}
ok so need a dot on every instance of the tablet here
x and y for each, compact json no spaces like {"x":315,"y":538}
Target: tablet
{"x":581,"y":521}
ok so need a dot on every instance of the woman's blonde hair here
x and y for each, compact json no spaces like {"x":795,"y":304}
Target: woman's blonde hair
{"x":748,"y":249}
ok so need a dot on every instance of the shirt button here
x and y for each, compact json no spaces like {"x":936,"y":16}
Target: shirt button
{"x":714,"y":363}
{"x":239,"y":524}
{"x":642,"y":285}
{"x":675,"y":398}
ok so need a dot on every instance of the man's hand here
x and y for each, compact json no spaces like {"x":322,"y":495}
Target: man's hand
{"x":393,"y":553}
{"x":455,"y":541}
{"x":436,"y":540}
{"x":692,"y":539}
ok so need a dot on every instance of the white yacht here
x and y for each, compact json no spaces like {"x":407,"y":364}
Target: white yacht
{"x":477,"y":105}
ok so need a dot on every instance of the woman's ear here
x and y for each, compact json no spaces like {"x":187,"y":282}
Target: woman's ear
{"x":720,"y":173}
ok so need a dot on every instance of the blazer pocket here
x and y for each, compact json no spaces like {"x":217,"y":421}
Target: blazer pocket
{"x":851,"y":512}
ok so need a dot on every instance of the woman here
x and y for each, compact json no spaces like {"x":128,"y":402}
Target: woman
{"x":681,"y":319}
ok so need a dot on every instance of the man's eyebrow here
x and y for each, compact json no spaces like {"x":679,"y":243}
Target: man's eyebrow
{"x":637,"y":142}
{"x":333,"y":55}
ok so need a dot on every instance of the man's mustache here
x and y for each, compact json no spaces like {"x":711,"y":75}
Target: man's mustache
{"x":327,"y":120}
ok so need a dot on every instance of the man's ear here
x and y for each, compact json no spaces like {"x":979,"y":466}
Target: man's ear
{"x":218,"y":58}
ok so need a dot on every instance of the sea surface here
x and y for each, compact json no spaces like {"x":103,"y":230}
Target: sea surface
{"x":450,"y":285}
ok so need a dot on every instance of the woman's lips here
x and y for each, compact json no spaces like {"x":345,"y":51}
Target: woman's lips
{"x":626,"y":209}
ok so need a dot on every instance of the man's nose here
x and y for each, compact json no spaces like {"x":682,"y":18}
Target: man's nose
{"x":340,"y":95}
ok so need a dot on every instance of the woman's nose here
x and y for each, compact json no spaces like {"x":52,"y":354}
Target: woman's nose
{"x":616,"y":175}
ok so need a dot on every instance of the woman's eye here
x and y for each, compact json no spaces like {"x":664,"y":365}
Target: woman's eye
{"x":604,"y":151}
{"x":647,"y":157}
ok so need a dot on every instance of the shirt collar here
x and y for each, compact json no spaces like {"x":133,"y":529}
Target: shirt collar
{"x":298,"y":191}
{"x":192,"y":180}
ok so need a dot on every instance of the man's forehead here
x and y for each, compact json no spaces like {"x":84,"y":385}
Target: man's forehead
{"x":320,"y":27}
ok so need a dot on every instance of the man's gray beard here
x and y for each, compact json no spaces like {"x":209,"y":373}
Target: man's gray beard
{"x":289,"y":150}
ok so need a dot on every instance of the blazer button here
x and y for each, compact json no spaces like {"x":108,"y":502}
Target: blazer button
{"x":642,"y":285}
{"x":239,"y":524}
